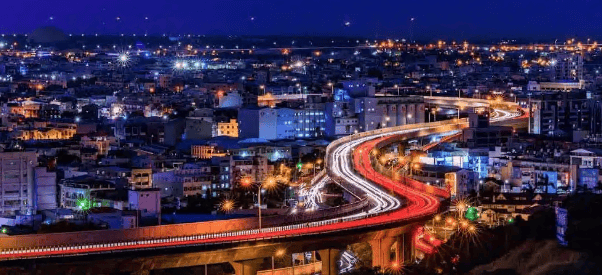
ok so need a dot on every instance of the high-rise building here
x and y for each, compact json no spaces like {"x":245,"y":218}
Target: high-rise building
{"x":560,"y":114}
{"x":566,"y":67}
{"x":20,"y":175}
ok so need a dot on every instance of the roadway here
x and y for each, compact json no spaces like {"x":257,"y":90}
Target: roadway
{"x":392,"y":203}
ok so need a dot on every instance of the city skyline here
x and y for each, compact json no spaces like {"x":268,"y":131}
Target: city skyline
{"x":537,"y":20}
{"x":249,"y":137}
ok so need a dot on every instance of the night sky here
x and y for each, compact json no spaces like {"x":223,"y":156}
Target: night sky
{"x":464,"y":19}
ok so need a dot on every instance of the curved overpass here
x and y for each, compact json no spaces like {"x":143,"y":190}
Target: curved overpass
{"x":391,"y":203}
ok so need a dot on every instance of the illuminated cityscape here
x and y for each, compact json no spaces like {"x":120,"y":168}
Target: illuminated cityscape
{"x":309,"y":138}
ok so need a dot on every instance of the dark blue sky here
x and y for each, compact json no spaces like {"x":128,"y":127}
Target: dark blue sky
{"x":463,"y":19}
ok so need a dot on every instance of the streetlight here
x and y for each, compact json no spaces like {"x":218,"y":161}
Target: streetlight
{"x":263,"y":88}
{"x":226,"y":205}
{"x":318,"y":162}
{"x":331,"y":85}
{"x":279,"y":253}
{"x":436,"y":219}
{"x":270,"y":182}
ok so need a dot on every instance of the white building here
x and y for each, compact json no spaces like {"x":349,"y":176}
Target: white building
{"x":17,"y":182}
{"x":280,"y":123}
{"x":231,"y":100}
{"x":75,"y":193}
{"x":45,"y":189}
{"x":147,"y":201}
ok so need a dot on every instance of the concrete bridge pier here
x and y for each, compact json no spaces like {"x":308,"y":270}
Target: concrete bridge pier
{"x":381,"y":251}
{"x":329,"y":259}
{"x":404,"y":248}
{"x":247,"y":267}
{"x":401,"y":245}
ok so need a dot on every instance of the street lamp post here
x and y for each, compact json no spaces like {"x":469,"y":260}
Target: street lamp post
{"x":259,"y":205}
{"x":279,"y":253}
{"x":270,"y":182}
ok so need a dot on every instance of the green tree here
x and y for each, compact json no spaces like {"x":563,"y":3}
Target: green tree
{"x":472,"y":214}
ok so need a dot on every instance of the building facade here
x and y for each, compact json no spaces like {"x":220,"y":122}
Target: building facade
{"x":17,"y":182}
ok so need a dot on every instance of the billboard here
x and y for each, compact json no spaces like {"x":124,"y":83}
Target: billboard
{"x":561,"y":225}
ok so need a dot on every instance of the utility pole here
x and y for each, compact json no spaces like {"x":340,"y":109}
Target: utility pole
{"x":259,"y":204}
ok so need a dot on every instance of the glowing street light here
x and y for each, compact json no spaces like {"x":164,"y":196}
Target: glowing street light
{"x":279,"y":253}
{"x":269,"y":183}
{"x":226,"y":205}
{"x":123,"y":59}
{"x":472,"y":229}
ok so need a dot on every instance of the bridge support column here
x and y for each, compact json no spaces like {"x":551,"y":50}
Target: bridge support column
{"x":248,"y":267}
{"x":329,"y":261}
{"x":381,"y":251}
{"x":404,"y":248}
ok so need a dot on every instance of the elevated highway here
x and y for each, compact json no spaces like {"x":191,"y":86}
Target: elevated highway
{"x":393,"y":206}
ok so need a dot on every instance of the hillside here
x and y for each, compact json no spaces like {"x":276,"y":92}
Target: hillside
{"x":539,"y":258}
